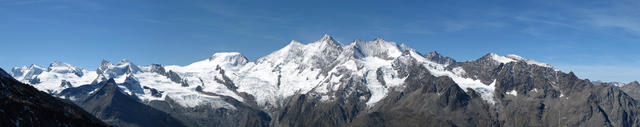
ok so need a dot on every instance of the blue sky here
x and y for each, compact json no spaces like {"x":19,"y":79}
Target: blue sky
{"x":598,"y":40}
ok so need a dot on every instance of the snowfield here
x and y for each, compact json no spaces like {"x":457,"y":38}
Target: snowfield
{"x":319,"y":67}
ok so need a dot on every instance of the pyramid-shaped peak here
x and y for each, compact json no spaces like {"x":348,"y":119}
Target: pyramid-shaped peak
{"x":34,"y":66}
{"x":104,"y":65}
{"x":124,"y":61}
{"x":435,"y":53}
{"x":489,"y":55}
{"x":108,"y":87}
{"x":377,"y":48}
{"x":105,"y":62}
{"x":293,"y":44}
{"x":326,"y":37}
{"x":327,"y":40}
{"x":378,"y":39}
{"x":123,"y":67}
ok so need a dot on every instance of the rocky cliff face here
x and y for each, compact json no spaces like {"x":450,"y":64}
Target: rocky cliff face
{"x":632,"y":89}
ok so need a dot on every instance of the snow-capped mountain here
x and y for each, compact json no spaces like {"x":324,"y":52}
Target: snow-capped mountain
{"x":350,"y":84}
{"x":55,"y":78}
{"x":23,"y":105}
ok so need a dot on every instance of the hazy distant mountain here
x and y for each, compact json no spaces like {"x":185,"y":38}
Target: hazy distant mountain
{"x":363,"y":83}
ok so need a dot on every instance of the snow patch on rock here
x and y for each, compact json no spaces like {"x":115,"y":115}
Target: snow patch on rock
{"x":486,"y":91}
{"x":512,"y":92}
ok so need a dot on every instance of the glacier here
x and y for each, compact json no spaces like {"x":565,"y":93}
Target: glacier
{"x":319,"y":67}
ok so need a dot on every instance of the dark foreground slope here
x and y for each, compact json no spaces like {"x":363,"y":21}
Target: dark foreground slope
{"x":23,"y":105}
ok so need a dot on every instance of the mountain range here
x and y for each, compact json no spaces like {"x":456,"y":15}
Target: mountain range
{"x":326,"y":83}
{"x":23,"y":105}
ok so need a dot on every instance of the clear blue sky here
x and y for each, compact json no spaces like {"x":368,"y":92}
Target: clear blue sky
{"x":597,"y":40}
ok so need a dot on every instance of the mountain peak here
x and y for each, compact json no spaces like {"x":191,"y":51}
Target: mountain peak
{"x":512,"y":58}
{"x":404,"y":47}
{"x":292,"y":45}
{"x":59,"y":64}
{"x":108,"y":89}
{"x":219,"y":55}
{"x":104,"y":65}
{"x":378,"y":39}
{"x":325,"y":41}
{"x":61,"y":67}
{"x":111,"y":83}
{"x":377,"y":48}
{"x":326,"y":37}
{"x":34,"y":66}
{"x":105,"y":62}
{"x":123,"y":67}
{"x":124,"y":61}
{"x":434,"y":53}
{"x":24,"y":72}
{"x":230,"y":58}
{"x":500,"y":59}
{"x":294,"y":42}
{"x":109,"y":99}
{"x":438,"y":58}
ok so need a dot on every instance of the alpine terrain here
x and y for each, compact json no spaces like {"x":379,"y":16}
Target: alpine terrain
{"x":327,"y":83}
{"x":23,"y":105}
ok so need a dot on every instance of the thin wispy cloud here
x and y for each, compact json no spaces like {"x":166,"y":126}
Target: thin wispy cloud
{"x":591,"y":16}
{"x":622,"y":14}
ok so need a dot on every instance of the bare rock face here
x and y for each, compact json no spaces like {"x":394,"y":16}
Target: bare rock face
{"x":632,"y":89}
{"x":23,"y":105}
{"x":429,"y":101}
{"x":437,"y":58}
